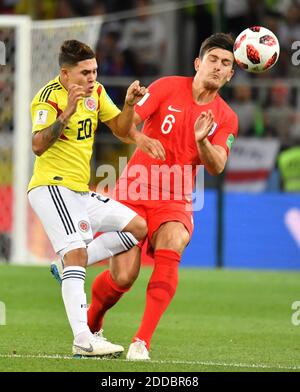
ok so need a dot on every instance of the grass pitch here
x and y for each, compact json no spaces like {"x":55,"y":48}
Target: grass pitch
{"x":219,"y":320}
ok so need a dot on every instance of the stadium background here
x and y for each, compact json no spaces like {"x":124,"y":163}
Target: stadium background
{"x":249,"y":219}
{"x":251,"y":215}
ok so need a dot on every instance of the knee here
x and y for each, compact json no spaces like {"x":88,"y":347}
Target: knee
{"x":176,"y":241}
{"x":139,"y":228}
{"x":185,"y":238}
{"x":124,"y":280}
{"x":142,"y":228}
{"x":76,"y":257}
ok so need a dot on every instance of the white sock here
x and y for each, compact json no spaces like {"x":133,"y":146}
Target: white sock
{"x":109,"y":244}
{"x":75,"y":299}
{"x":83,"y":338}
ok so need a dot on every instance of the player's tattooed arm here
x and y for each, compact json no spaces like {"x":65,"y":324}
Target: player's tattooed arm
{"x":44,"y":139}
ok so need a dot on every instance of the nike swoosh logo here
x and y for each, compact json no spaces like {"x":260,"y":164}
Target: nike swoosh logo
{"x":86,"y":349}
{"x":173,"y":109}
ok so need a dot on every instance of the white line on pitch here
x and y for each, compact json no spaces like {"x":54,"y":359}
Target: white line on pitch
{"x":173,"y":362}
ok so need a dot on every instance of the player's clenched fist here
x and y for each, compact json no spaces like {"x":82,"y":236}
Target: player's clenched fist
{"x":134,"y":93}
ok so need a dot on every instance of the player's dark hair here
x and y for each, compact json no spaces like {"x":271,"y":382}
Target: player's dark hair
{"x":218,"y":40}
{"x":72,"y":51}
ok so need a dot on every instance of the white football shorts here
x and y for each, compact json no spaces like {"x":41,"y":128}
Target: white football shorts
{"x":70,"y":217}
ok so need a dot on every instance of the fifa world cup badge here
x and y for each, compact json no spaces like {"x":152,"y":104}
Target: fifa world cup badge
{"x":90,"y":103}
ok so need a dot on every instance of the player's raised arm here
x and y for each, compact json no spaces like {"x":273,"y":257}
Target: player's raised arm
{"x":213,"y":157}
{"x":122,"y":123}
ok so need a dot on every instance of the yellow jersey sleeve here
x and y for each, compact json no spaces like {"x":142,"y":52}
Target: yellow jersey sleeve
{"x":108,"y":109}
{"x":43,"y":115}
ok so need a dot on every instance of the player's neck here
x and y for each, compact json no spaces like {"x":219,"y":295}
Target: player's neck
{"x":202,"y":95}
{"x":63,"y":82}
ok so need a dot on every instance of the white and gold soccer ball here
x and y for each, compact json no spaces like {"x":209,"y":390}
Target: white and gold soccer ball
{"x":256,"y":49}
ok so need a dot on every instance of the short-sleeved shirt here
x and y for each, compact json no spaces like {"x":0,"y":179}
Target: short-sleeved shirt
{"x":67,"y":161}
{"x":169,"y":112}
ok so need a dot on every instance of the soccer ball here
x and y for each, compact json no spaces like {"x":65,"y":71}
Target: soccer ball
{"x":256,"y":49}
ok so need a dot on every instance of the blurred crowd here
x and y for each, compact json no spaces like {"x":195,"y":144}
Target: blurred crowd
{"x":136,"y":45}
{"x":55,"y":9}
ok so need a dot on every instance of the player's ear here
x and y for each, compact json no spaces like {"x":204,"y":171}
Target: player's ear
{"x":197,"y":63}
{"x":64,"y":72}
{"x":230,"y":75}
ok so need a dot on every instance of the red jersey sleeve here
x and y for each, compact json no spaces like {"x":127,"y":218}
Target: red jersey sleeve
{"x":158,"y":90}
{"x":227,"y":133}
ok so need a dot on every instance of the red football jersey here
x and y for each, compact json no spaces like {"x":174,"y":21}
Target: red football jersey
{"x":169,"y":113}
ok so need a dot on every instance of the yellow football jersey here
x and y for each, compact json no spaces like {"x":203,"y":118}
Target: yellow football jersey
{"x":67,"y":161}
